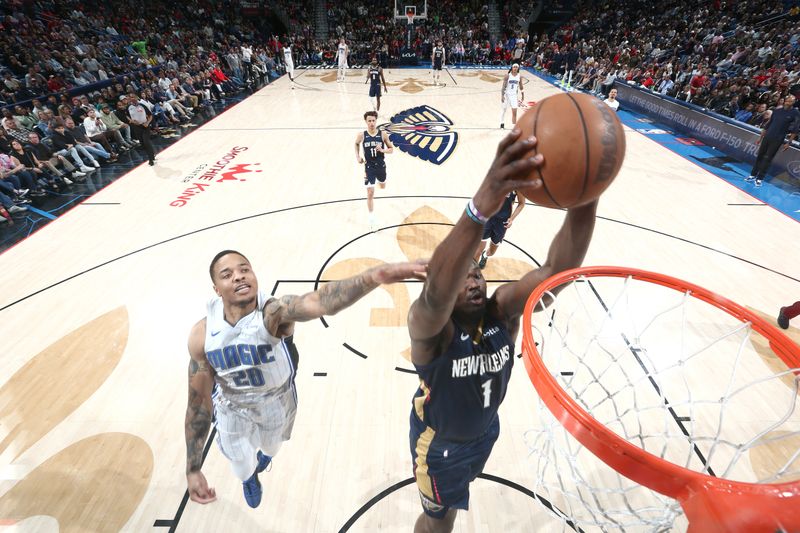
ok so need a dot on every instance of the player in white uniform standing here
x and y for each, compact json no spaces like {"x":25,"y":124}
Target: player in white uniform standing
{"x":241,"y":347}
{"x":247,"y":63}
{"x":341,"y":55}
{"x":511,"y":94}
{"x":289,"y":62}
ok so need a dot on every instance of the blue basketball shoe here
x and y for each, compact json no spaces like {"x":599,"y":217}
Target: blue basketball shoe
{"x":252,"y":487}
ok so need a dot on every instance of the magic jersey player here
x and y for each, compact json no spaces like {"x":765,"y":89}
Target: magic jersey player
{"x":341,"y":55}
{"x":511,"y":94}
{"x":240,"y":351}
{"x":289,"y":62}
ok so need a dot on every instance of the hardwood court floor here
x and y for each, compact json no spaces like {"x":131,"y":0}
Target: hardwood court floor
{"x":95,"y":308}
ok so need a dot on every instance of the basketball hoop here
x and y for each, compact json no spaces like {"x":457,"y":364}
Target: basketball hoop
{"x":410,"y":14}
{"x":664,"y":398}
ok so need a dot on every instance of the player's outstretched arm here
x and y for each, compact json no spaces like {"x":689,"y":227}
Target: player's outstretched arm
{"x":281,"y":314}
{"x":567,"y":251}
{"x":198,"y":415}
{"x":451,"y":260}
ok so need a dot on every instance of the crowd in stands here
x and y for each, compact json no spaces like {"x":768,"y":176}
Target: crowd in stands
{"x":371,"y":29}
{"x":84,"y":81}
{"x":737,"y":59}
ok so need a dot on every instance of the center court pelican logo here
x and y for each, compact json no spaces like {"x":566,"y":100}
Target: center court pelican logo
{"x":424,"y":133}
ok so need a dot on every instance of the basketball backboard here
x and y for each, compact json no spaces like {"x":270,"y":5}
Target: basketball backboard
{"x":420,"y":8}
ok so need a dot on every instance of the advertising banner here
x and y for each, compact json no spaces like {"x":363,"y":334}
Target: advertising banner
{"x":735,"y":139}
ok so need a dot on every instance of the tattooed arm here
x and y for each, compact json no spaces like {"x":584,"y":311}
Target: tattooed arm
{"x":198,"y":415}
{"x":333,"y":296}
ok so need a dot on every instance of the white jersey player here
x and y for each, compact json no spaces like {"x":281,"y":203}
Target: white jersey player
{"x":341,"y":54}
{"x":289,"y":62}
{"x":241,"y":351}
{"x":511,"y":94}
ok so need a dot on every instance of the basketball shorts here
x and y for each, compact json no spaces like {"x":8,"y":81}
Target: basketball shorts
{"x":290,"y":68}
{"x":512,"y":101}
{"x":437,"y":65}
{"x":444,"y":469}
{"x":374,"y":91}
{"x":242,"y":431}
{"x":374,"y":174}
{"x":494,"y":229}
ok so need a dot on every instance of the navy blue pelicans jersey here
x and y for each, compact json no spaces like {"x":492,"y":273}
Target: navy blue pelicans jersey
{"x":374,"y":77}
{"x":505,"y":211}
{"x":461,"y":390}
{"x":438,"y":55}
{"x":373,"y":157}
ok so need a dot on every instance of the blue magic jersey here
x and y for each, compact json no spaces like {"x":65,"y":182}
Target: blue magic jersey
{"x":461,"y":390}
{"x":373,"y":157}
{"x":250,"y":364}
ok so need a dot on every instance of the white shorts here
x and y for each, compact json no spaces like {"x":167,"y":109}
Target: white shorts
{"x":512,"y":101}
{"x":241,"y":431}
{"x":342,"y":63}
{"x":290,"y":68}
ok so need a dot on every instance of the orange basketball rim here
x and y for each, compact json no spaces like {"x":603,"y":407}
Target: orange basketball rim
{"x":710,"y":504}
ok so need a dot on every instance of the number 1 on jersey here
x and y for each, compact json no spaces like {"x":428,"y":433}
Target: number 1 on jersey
{"x":487,"y":393}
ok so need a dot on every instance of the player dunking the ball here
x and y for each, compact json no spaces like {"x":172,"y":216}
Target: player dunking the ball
{"x":462,"y":342}
{"x":375,"y":143}
{"x":341,"y":56}
{"x":511,"y":94}
{"x":374,"y":78}
{"x":240,"y":352}
{"x":437,"y":60}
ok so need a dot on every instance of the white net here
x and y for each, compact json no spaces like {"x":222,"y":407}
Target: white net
{"x":671,"y":374}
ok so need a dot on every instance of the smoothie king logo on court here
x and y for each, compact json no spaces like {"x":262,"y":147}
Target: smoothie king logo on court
{"x":205,"y":176}
{"x":424,"y":133}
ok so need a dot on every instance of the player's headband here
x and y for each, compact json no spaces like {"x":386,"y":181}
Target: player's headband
{"x":515,"y":65}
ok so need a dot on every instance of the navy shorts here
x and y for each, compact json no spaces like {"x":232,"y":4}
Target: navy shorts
{"x":373,"y":174}
{"x":374,"y":90}
{"x":444,"y":469}
{"x":495,"y":229}
{"x":437,"y":65}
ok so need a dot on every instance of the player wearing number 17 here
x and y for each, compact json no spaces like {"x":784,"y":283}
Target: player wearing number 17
{"x":242,"y":352}
{"x":462,"y":342}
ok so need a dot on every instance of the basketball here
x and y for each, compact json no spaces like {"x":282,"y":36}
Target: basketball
{"x":583,"y":145}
